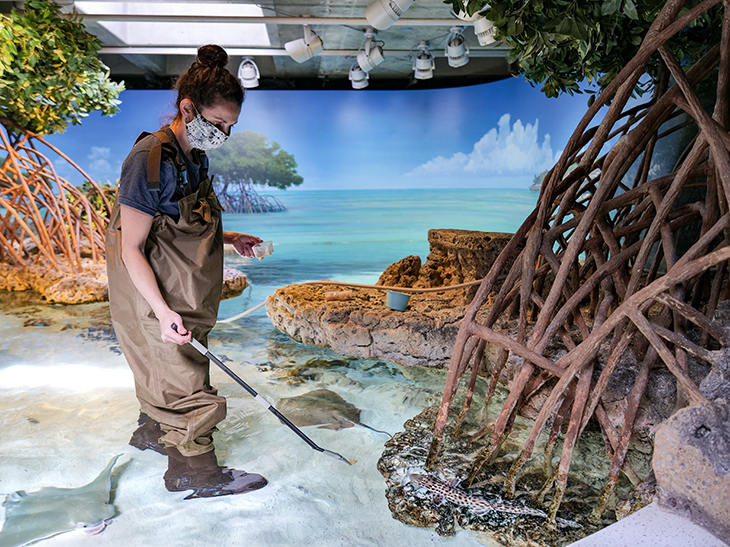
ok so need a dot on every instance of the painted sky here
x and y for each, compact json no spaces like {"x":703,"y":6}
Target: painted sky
{"x":496,"y":135}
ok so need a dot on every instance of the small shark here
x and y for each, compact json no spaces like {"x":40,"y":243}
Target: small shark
{"x":441,"y":490}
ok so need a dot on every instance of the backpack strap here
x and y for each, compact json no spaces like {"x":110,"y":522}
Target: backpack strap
{"x":165,"y":146}
{"x":203,"y":160}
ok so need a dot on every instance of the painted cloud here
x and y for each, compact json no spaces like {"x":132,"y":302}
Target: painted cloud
{"x":99,"y":166}
{"x":503,"y":151}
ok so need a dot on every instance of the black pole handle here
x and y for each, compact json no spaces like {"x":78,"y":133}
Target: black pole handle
{"x":261,"y":400}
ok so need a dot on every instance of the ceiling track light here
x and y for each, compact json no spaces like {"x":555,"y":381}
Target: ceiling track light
{"x":383,"y":13}
{"x":370,"y":56}
{"x":358,"y":77}
{"x":423,"y":64}
{"x":484,"y":30}
{"x":248,"y":73}
{"x":303,"y":49}
{"x":456,"y":50}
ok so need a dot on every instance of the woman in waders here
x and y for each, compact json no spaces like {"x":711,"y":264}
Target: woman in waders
{"x":165,"y":267}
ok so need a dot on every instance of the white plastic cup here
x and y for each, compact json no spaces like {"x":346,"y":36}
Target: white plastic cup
{"x":265,"y":248}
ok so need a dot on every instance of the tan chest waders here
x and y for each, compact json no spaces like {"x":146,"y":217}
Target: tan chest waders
{"x":172,"y":382}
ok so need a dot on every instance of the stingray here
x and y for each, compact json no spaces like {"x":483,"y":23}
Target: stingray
{"x":51,"y":511}
{"x":324,"y":408}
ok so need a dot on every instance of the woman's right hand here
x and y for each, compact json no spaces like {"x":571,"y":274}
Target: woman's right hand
{"x":172,"y":329}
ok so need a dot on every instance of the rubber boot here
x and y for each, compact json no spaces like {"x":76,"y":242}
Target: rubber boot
{"x":205,"y":477}
{"x":147,"y":436}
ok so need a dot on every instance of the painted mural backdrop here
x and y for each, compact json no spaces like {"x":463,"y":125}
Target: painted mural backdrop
{"x":497,"y":135}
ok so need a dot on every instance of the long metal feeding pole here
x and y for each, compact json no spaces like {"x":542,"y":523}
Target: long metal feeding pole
{"x":263,"y":402}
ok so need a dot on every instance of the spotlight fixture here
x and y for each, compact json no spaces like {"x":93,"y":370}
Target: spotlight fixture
{"x":383,"y":13}
{"x":423,"y":64}
{"x":248,"y":73}
{"x":305,"y":48}
{"x":484,"y":29}
{"x":456,"y":50}
{"x":369,"y":57}
{"x":358,"y":77}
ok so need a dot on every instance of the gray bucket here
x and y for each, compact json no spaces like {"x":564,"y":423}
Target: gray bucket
{"x":397,"y":301}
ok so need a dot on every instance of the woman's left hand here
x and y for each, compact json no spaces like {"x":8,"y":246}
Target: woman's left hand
{"x":243,"y":243}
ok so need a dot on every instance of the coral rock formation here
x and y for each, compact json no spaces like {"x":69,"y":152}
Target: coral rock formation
{"x":362,"y":326}
{"x":64,"y":286}
{"x":455,"y":257}
{"x":460,"y":256}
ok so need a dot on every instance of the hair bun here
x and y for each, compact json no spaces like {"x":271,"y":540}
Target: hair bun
{"x":212,"y":56}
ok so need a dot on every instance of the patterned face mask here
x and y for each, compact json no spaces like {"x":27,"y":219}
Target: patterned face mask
{"x":204,"y":135}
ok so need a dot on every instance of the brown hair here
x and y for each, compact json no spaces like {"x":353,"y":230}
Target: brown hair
{"x":207,"y":81}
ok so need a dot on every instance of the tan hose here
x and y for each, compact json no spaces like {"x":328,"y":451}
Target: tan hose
{"x":361,"y":286}
{"x":399,"y":289}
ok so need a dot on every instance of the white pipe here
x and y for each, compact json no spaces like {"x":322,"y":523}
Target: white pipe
{"x":244,"y":314}
{"x":252,"y":51}
{"x":271,"y":20}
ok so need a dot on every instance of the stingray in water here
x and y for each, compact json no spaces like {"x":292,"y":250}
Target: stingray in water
{"x":324,"y":408}
{"x":51,"y":511}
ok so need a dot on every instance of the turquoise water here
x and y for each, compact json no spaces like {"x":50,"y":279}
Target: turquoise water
{"x":354,"y":235}
{"x":67,"y":402}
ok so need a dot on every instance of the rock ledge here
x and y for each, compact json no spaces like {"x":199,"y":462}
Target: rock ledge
{"x":90,"y":285}
{"x":362,"y":326}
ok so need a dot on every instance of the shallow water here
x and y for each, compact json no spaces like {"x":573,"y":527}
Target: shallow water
{"x":67,"y":405}
{"x":67,"y":401}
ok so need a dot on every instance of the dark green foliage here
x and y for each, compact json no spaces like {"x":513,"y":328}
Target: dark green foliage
{"x":249,"y":158}
{"x":50,"y":74}
{"x":564,"y":44}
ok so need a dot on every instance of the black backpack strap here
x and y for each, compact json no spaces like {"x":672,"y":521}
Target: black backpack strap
{"x":203,"y":160}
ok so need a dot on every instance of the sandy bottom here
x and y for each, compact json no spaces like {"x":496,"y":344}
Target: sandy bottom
{"x":67,"y":406}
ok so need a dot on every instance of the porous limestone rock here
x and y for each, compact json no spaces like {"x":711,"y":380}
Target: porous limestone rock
{"x":403,"y":273}
{"x":692,"y":465}
{"x":234,"y":282}
{"x":62,"y":287}
{"x":364,"y":327}
{"x":90,"y":285}
{"x":459,"y":256}
{"x":455,"y":257}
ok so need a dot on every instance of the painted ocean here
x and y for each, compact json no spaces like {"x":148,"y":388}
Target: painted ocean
{"x":354,"y":235}
{"x":67,"y":403}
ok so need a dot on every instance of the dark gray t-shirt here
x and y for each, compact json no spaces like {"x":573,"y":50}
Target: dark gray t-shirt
{"x":133,"y":191}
